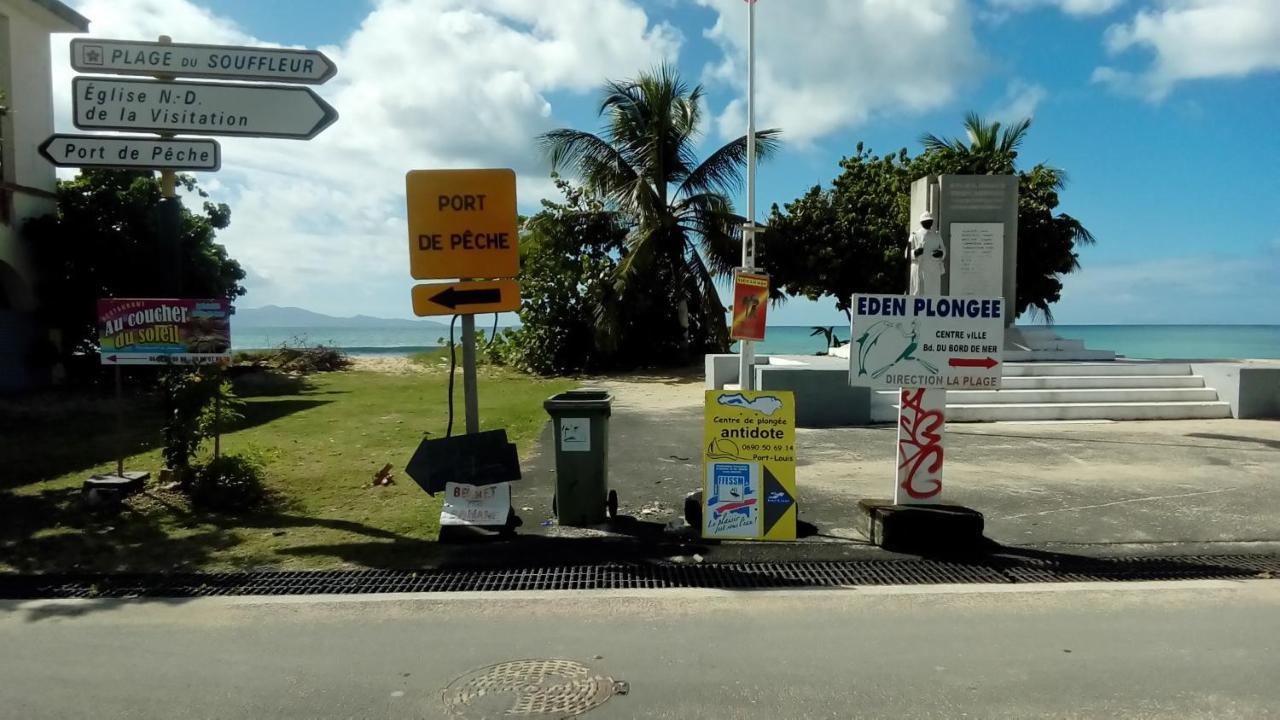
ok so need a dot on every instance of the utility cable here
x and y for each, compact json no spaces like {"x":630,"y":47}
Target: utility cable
{"x":453,"y":364}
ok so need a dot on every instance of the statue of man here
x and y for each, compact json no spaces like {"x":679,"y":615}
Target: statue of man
{"x":928,"y":258}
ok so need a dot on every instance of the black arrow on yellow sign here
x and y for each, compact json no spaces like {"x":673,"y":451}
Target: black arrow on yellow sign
{"x":467,"y":297}
{"x":451,"y":297}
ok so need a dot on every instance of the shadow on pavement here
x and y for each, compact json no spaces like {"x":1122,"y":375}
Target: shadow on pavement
{"x":953,"y":430}
{"x":1273,"y":444}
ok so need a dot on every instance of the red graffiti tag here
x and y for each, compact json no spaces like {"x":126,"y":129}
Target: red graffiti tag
{"x":920,"y":443}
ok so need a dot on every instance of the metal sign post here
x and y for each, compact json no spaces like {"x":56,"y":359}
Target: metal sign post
{"x":746,"y":349}
{"x":470,"y":395}
{"x":166,"y":107}
{"x":462,"y":228}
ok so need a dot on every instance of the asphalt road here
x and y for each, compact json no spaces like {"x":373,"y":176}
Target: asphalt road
{"x":1176,"y":650}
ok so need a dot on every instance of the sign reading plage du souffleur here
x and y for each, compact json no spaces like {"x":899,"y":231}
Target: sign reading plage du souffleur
{"x":749,"y":465}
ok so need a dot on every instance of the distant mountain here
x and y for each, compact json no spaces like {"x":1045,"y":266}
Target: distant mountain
{"x":276,"y":316}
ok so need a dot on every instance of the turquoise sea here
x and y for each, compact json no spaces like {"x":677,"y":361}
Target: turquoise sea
{"x":1135,"y":341}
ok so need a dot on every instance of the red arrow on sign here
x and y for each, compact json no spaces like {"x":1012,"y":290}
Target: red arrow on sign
{"x":973,"y":362}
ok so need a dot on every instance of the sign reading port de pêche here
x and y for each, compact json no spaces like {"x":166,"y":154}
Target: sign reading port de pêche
{"x":161,"y":106}
{"x":916,"y":341}
{"x":462,"y":224}
{"x":228,"y":62}
{"x":122,"y":151}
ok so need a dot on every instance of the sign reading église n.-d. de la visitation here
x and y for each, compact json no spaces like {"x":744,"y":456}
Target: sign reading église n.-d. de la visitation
{"x":161,"y":106}
{"x":148,"y":331}
{"x":919,"y":341}
{"x":229,"y":62}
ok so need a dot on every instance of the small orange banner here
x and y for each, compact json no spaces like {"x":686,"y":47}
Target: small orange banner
{"x":750,"y":303}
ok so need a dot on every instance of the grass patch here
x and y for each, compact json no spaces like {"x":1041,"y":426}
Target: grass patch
{"x":320,"y":446}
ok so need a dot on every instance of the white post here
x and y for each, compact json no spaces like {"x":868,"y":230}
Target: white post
{"x":746,"y":352}
{"x":921,"y":436}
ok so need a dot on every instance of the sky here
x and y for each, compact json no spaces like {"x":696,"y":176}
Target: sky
{"x":1163,"y":113}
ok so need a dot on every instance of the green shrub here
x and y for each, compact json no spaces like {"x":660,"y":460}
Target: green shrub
{"x":200,"y":401}
{"x":229,"y":484}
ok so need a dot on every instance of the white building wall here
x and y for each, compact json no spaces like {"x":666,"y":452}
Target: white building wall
{"x":27,"y":183}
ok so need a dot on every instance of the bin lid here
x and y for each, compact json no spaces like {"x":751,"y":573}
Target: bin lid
{"x":580,"y":399}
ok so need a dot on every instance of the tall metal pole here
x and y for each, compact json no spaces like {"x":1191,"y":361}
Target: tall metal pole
{"x":170,"y":212}
{"x":470,"y":401}
{"x":746,"y":352}
{"x":120,"y":440}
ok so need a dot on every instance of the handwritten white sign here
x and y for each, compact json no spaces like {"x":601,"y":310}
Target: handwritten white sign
{"x":475,"y":504}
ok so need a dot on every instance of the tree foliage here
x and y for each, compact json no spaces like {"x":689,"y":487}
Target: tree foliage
{"x":849,"y":237}
{"x":568,"y":259}
{"x":105,"y":241}
{"x":681,"y":231}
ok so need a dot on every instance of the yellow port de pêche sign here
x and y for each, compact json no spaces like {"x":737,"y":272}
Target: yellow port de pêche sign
{"x":462,"y":224}
{"x":749,"y":465}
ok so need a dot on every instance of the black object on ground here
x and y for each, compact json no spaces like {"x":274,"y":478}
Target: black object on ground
{"x":482,"y":458}
{"x":921,"y":528}
{"x":109,"y":490}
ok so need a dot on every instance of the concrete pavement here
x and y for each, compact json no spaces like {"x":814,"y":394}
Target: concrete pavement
{"x":1094,"y":488}
{"x":1149,"y":650}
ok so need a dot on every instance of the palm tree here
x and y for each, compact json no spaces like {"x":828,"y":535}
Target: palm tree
{"x":989,"y":150}
{"x":829,"y":336}
{"x":683,"y":230}
{"x":1046,"y":242}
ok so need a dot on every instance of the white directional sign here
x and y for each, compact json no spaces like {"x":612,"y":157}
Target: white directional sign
{"x":917,"y":341}
{"x":120,"y":151}
{"x":127,"y":57}
{"x":199,"y":108}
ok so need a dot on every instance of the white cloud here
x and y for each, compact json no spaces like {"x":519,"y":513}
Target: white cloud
{"x":1078,"y":8}
{"x":1020,"y":100}
{"x":425,"y":84}
{"x":1192,"y":40}
{"x":824,"y":65}
{"x":1188,"y":290}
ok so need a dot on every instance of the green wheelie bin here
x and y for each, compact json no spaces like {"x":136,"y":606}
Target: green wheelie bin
{"x":580,"y":426}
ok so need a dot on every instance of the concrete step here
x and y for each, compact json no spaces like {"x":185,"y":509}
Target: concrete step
{"x":1052,"y":344}
{"x":1058,"y":355}
{"x":1089,"y":395}
{"x":1089,"y":411}
{"x":1103,"y":368}
{"x":1082,"y":382}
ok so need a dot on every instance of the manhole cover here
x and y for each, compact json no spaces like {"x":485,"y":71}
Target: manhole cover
{"x":529,"y":688}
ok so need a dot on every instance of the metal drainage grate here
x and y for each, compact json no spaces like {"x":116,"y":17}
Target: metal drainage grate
{"x":610,"y":576}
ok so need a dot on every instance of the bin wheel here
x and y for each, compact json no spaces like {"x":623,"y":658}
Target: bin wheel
{"x":554,"y":510}
{"x":612,"y":504}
